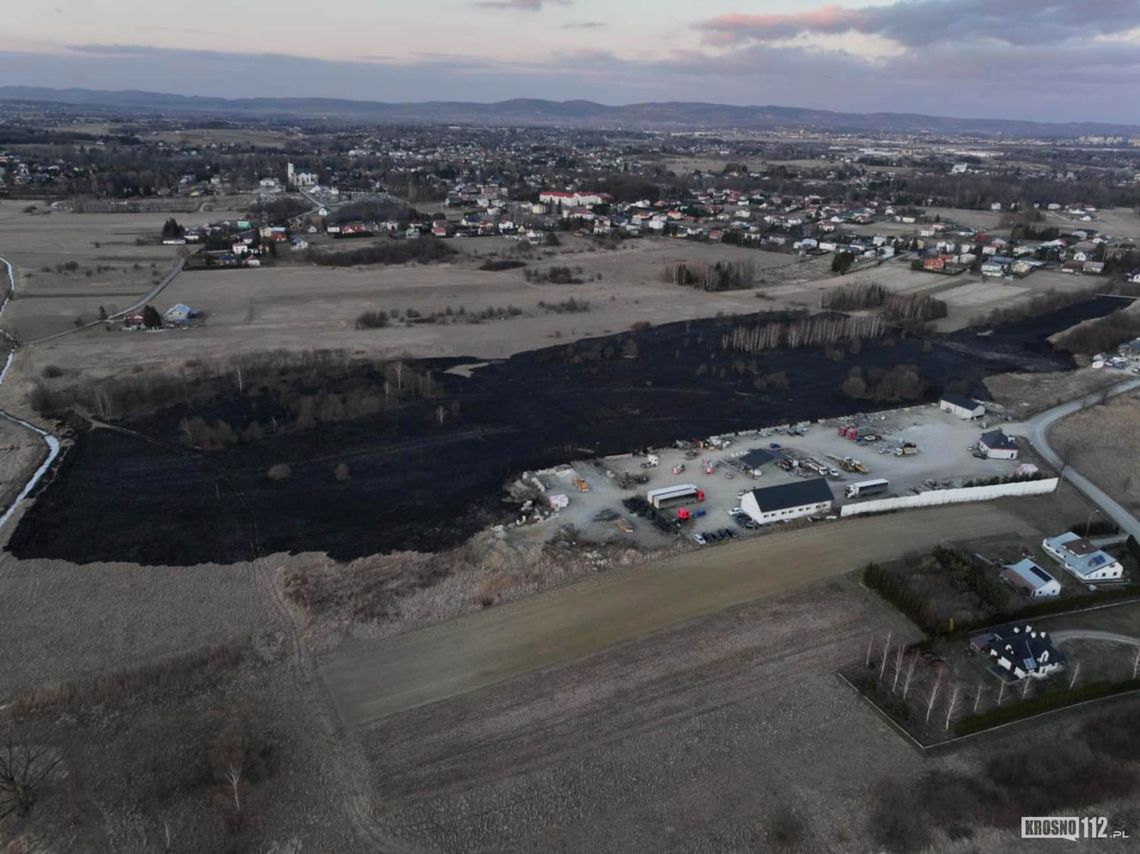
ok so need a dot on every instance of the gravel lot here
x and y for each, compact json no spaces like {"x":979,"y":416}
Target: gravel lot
{"x":944,"y":457}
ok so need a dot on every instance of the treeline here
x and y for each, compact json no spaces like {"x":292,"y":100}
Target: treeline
{"x":893,"y":306}
{"x":721,"y":276}
{"x":426,"y":250}
{"x":950,"y":567}
{"x":902,"y":382}
{"x":383,"y":319}
{"x":1102,"y":335}
{"x":274,"y":376}
{"x":816,"y":331}
{"x":555,"y":276}
{"x":1046,"y":303}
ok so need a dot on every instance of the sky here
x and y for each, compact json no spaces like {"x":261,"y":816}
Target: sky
{"x":1053,"y":60}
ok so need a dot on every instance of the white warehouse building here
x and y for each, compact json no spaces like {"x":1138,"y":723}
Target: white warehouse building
{"x":788,"y":501}
{"x":962,"y":407}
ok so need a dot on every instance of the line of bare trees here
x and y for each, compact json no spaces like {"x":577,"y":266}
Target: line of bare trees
{"x":892,"y":306}
{"x":720,"y":276}
{"x":817,"y":331}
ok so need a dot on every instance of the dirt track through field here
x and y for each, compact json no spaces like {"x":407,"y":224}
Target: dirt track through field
{"x":371,"y":680}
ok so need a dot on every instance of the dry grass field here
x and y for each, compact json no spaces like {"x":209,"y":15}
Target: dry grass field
{"x":21,"y":451}
{"x":1101,"y":443}
{"x":109,"y":268}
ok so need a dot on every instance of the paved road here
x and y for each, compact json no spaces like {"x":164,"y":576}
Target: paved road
{"x":370,"y":680}
{"x":1036,"y":430}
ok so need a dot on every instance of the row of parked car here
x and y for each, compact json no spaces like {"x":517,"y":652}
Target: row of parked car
{"x":723,"y":535}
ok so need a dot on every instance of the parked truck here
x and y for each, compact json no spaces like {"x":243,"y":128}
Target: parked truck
{"x":867,"y":488}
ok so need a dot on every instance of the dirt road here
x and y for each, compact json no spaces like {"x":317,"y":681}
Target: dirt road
{"x":371,"y":680}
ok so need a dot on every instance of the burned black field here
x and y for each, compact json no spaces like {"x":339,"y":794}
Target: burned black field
{"x":428,"y":473}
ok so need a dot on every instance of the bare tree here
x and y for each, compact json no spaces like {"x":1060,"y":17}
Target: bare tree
{"x":909,"y":674}
{"x":951,"y":707}
{"x":898,"y":669}
{"x":1025,"y":687}
{"x":933,"y":698}
{"x":1076,"y":673}
{"x":1136,"y":663}
{"x":886,"y":654}
{"x":1001,"y":692}
{"x":870,"y":646}
{"x":23,"y":767}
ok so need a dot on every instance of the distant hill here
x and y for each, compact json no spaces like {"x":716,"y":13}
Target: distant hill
{"x":533,"y":111}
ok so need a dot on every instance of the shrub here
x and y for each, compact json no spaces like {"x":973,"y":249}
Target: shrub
{"x":372,"y":320}
{"x":279,"y":471}
{"x":498,"y":266}
{"x":342,"y":472}
{"x":52,"y":372}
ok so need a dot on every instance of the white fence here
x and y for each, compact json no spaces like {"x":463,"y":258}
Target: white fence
{"x":938,"y":497}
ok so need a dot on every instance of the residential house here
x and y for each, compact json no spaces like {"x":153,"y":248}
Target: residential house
{"x":1027,"y":578}
{"x":1082,"y":559}
{"x":1018,"y":652}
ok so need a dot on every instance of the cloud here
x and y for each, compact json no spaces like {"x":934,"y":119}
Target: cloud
{"x":522,"y":5}
{"x":916,"y":23}
{"x":585,"y":25}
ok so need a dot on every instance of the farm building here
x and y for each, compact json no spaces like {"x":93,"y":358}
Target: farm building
{"x":1019,"y":651}
{"x":995,"y":445}
{"x":1083,"y":559}
{"x":962,"y":407}
{"x":788,"y":501}
{"x":1027,"y":578}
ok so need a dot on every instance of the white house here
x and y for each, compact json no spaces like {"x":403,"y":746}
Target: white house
{"x":1027,"y":578}
{"x":1082,"y":559}
{"x":1019,"y":651}
{"x":963,"y":407}
{"x":788,"y":501}
{"x":995,"y":445}
{"x":179,"y":313}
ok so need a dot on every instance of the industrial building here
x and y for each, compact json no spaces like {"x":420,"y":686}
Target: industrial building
{"x":996,"y":445}
{"x":788,"y":501}
{"x":754,"y":461}
{"x":1082,"y":559}
{"x":962,"y":407}
{"x":1027,"y":578}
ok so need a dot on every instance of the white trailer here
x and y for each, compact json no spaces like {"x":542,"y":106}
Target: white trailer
{"x":868,"y":488}
{"x":668,"y":496}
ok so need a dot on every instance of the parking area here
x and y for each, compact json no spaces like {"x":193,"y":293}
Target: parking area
{"x":613,"y":501}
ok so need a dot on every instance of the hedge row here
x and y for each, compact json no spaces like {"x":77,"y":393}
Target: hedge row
{"x":1043,"y":703}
